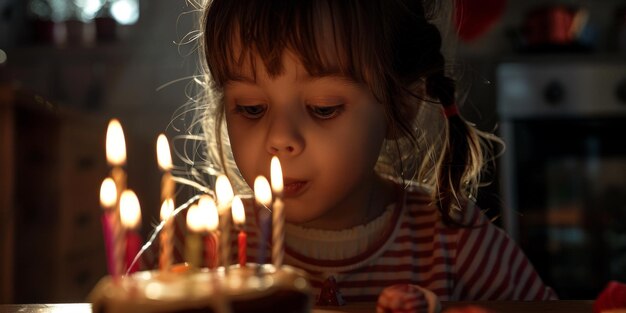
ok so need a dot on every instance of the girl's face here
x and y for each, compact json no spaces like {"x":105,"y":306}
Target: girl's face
{"x":327,"y":132}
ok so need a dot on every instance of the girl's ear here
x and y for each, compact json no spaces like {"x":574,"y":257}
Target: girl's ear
{"x":406,"y":108}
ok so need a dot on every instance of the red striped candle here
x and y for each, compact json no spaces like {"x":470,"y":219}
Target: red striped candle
{"x":130,"y":216}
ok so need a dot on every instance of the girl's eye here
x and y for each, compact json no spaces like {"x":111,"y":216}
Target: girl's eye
{"x":325,"y":112}
{"x":251,"y":111}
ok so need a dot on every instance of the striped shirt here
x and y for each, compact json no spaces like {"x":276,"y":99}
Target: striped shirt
{"x":479,"y":262}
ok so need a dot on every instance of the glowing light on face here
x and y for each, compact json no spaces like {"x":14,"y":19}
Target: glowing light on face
{"x":130,"y":211}
{"x":115,"y":144}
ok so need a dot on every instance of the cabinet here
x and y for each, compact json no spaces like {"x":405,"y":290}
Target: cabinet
{"x":53,"y":163}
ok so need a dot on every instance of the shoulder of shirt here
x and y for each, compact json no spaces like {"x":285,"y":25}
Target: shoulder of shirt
{"x":419,"y":200}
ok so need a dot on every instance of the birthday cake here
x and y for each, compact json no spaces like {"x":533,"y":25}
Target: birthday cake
{"x":248,"y":289}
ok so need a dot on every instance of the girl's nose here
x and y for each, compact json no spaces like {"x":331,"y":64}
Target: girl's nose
{"x":284,"y":138}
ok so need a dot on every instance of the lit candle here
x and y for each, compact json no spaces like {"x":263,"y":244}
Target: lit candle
{"x":278,"y":214}
{"x":165,"y":257}
{"x":262,"y":197}
{"x":116,"y":157}
{"x":108,"y":200}
{"x":209,"y":216}
{"x":224,"y":193}
{"x":116,"y":153}
{"x":130,"y":215}
{"x":164,"y":158}
{"x":192,"y":242}
{"x":239,"y":219}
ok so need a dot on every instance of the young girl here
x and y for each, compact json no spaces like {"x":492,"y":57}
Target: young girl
{"x":380,"y":168}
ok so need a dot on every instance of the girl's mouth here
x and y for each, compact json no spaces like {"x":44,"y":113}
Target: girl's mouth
{"x":294,"y":188}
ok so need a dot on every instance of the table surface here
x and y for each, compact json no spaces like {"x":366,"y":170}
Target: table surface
{"x":570,"y":306}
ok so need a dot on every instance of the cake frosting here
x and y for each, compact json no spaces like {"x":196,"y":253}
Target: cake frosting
{"x":248,"y":289}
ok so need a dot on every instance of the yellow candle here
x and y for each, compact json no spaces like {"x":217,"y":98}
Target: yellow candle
{"x":193,"y":241}
{"x":164,"y":158}
{"x":165,"y":256}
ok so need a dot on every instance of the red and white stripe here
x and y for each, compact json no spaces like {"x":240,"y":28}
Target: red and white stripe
{"x":479,"y":262}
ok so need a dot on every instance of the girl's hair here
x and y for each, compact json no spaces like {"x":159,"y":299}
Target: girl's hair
{"x":391,"y":46}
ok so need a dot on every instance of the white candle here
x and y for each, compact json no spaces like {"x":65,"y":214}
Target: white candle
{"x":165,"y":257}
{"x":192,"y":241}
{"x":262,"y":197}
{"x":278,"y":214}
{"x":224,"y":193}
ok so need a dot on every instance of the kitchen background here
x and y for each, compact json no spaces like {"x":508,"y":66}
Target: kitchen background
{"x":548,"y":76}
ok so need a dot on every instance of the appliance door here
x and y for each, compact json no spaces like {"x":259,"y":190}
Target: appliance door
{"x":570,"y":200}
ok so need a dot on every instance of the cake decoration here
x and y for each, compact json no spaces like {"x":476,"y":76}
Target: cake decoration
{"x":405,"y":298}
{"x":195,"y":286}
{"x":330,"y":294}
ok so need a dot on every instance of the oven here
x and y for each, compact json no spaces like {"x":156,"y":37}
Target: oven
{"x":563,"y":172}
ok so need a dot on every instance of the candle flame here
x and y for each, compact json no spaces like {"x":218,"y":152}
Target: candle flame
{"x":167,"y":208}
{"x":130,"y":211}
{"x":262,"y":191}
{"x":239,"y":214}
{"x":224,"y":192}
{"x":164,"y":156}
{"x":108,"y":193}
{"x":194,"y":218}
{"x":276,"y":174}
{"x":208,"y":215}
{"x":115,"y":144}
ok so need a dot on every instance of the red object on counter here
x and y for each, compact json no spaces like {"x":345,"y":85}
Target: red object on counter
{"x":549,"y":25}
{"x":612,"y":298}
{"x":473,"y":18}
